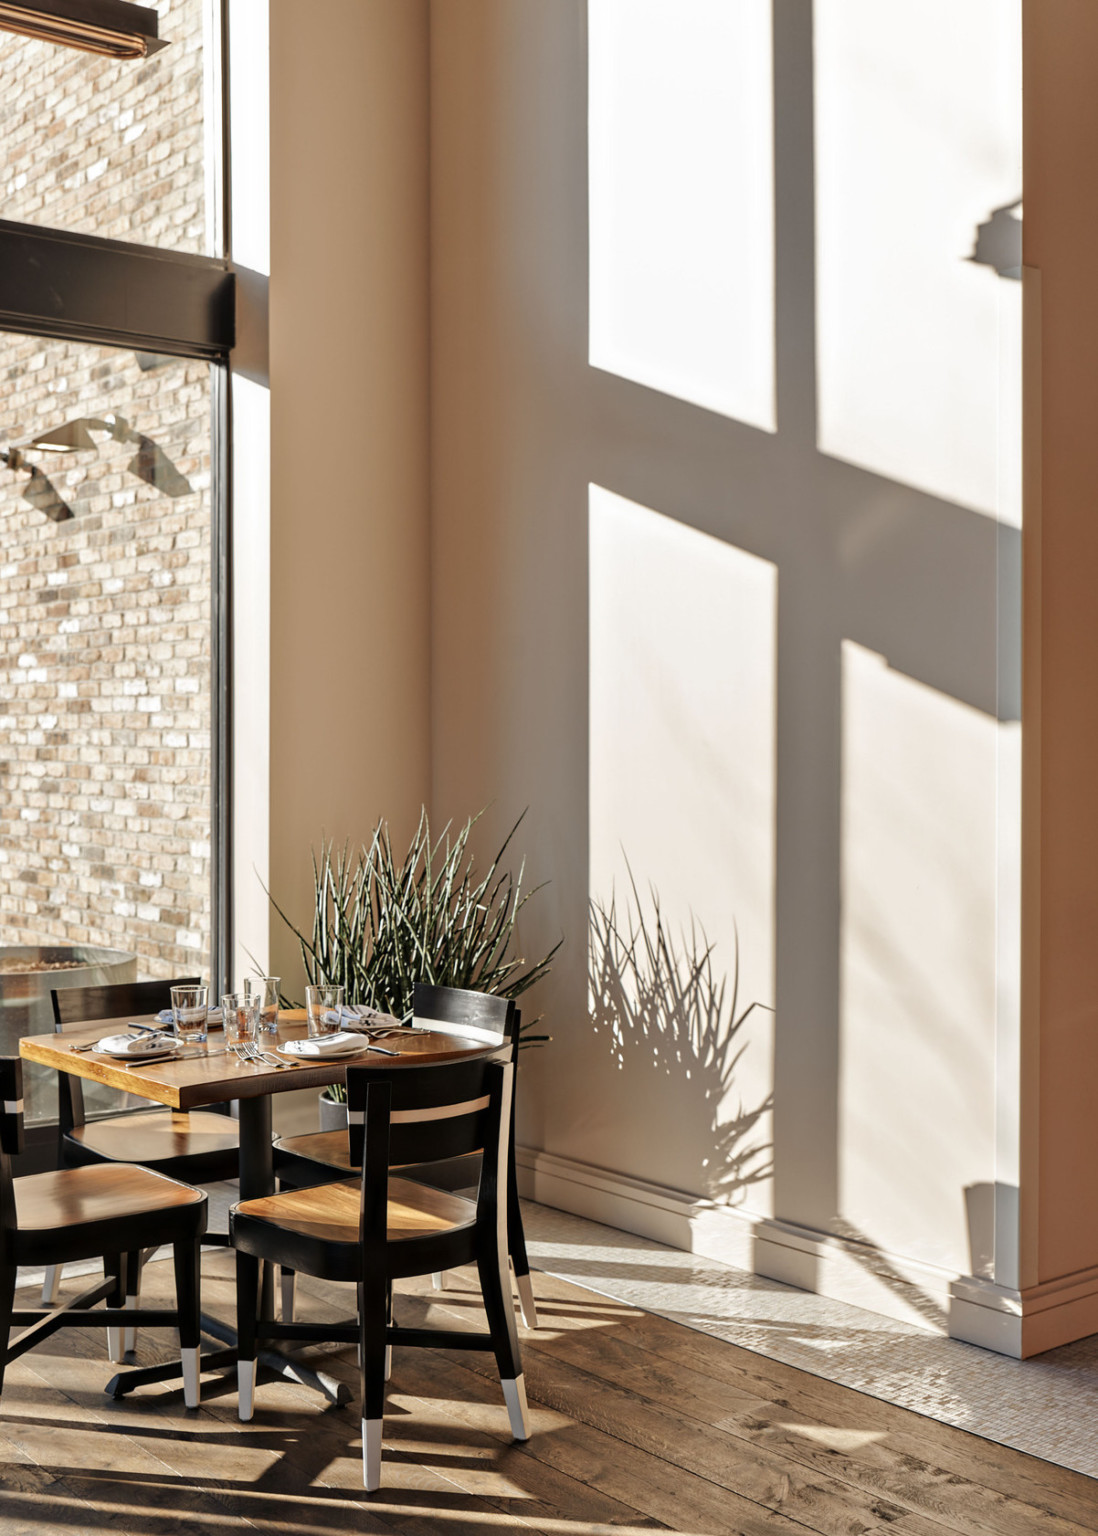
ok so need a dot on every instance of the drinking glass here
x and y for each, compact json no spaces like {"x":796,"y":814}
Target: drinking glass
{"x":265,"y":990}
{"x":240,"y":1014}
{"x":319,"y":1002}
{"x":189,"y":1006}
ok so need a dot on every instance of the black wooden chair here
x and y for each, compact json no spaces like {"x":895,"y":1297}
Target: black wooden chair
{"x":379,"y":1227}
{"x":107,"y":1211}
{"x":197,"y":1146}
{"x":325,"y":1155}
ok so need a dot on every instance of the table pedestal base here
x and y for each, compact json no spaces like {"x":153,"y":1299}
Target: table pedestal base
{"x":337,"y":1392}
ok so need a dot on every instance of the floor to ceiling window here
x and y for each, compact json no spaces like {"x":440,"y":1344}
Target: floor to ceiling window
{"x":115,"y":325}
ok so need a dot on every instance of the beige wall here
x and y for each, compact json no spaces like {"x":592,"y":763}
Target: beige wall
{"x":887,"y":937}
{"x":1061,"y":233}
{"x":829,"y":792}
{"x":349,"y":469}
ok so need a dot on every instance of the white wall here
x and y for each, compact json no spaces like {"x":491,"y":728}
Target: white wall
{"x":772,"y":662}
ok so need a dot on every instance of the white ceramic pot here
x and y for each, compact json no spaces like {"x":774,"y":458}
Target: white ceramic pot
{"x":333,"y":1115}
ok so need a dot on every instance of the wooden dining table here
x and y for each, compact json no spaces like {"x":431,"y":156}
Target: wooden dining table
{"x":198,"y":1078}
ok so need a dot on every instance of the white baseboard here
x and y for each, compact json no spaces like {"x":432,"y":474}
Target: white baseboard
{"x":1025,"y":1323}
{"x":679,"y":1220}
{"x":973,"y":1310}
{"x":797,"y":1256}
{"x":854,"y":1272}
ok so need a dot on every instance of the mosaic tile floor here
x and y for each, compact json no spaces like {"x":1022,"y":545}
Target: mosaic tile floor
{"x":1047,"y":1406}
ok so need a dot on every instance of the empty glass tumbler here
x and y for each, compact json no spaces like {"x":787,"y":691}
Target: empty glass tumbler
{"x":189,"y":1006}
{"x":323,"y":1006}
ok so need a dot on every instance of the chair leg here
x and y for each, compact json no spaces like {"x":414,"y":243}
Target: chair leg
{"x":187,"y":1282}
{"x":389,"y":1323}
{"x":247,"y":1309}
{"x":372,"y":1316}
{"x":495,"y":1285}
{"x":516,"y":1246}
{"x":113,"y":1267}
{"x":438,"y":1280}
{"x":134,"y":1266}
{"x":288,"y":1284}
{"x":7,"y":1307}
{"x":51,"y":1285}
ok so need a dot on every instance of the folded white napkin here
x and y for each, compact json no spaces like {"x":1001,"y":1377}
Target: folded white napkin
{"x":360,"y":1016}
{"x":340,"y":1044}
{"x":136,"y":1045}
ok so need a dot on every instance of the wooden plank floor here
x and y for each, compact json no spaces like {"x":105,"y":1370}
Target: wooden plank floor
{"x":638,"y":1424}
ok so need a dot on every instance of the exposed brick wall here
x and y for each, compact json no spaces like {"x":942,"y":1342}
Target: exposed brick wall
{"x":107,"y":147}
{"x":105,"y":665}
{"x":105,"y":619}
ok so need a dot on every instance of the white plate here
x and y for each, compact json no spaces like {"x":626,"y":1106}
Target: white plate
{"x":122,"y":1048}
{"x":335,"y":1046}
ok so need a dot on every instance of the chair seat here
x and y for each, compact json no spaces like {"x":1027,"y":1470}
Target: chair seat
{"x":153,"y":1136}
{"x":107,"y":1201}
{"x":332,"y":1148}
{"x":329,"y":1213}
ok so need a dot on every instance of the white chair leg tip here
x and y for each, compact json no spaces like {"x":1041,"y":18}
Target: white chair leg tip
{"x":114,"y":1345}
{"x":514,"y":1395}
{"x":191,"y":1386}
{"x":438,"y":1281}
{"x":245,"y":1388}
{"x":51,"y":1285}
{"x":371,"y":1454}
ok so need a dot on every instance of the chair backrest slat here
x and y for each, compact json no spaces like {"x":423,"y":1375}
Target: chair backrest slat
{"x":72,"y":1005}
{"x":11,"y":1105}
{"x":436,"y":1111}
{"x":394,"y":1129}
{"x":456,"y":1010}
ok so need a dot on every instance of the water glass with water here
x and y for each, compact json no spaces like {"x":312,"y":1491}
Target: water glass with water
{"x":323,"y":1006}
{"x":265,"y":990}
{"x":189,"y":1006}
{"x":240,"y":1015}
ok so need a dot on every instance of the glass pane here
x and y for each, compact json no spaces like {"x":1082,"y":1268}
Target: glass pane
{"x":108,"y":147}
{"x":105,"y":698}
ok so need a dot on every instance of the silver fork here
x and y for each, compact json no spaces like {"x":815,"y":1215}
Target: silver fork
{"x":264,"y":1058}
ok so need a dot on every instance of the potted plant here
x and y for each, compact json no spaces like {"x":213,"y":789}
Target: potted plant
{"x":383,"y":921}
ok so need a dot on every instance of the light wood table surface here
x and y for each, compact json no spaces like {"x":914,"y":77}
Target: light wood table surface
{"x":194,"y":1080}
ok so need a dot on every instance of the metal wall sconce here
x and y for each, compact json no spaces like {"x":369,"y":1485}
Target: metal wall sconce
{"x":113,"y":28}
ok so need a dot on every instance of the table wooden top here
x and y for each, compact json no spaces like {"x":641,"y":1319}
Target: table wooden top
{"x":195,"y":1080}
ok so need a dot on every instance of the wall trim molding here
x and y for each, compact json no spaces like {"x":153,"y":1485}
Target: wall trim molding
{"x":977,"y":1311}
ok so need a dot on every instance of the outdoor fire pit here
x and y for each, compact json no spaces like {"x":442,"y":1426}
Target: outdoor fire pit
{"x":28,"y":972}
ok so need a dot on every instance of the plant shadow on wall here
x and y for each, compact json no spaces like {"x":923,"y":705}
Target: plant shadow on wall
{"x":660,"y":1005}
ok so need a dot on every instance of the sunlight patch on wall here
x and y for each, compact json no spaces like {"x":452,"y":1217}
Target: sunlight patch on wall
{"x":918,"y":956}
{"x":918,"y":145}
{"x":680,"y":106}
{"x":682,"y":785}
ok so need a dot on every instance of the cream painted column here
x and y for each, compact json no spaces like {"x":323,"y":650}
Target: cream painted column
{"x":349,"y":625}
